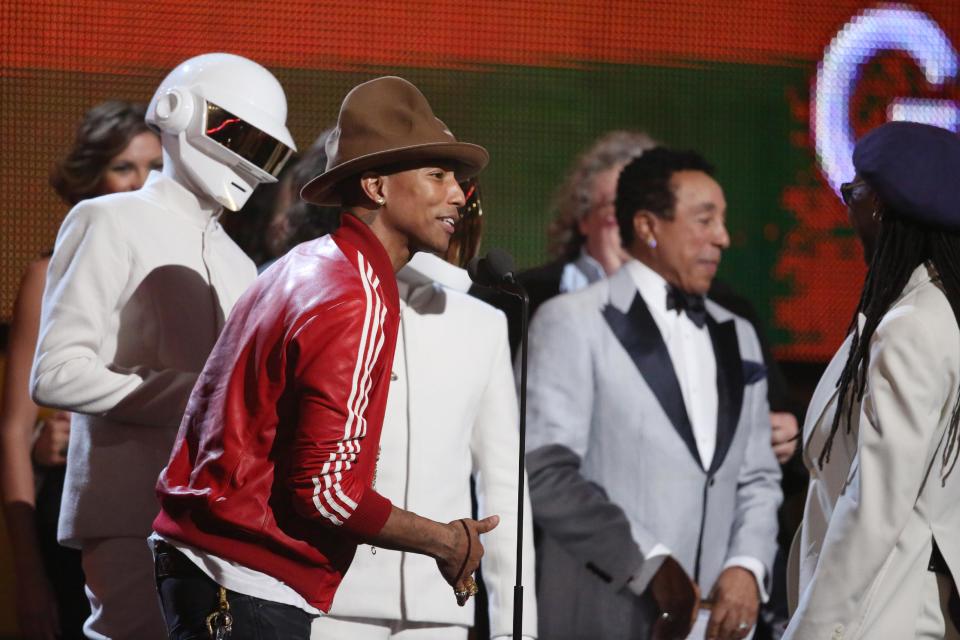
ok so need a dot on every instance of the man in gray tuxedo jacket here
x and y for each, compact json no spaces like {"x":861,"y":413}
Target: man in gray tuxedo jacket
{"x":651,"y":474}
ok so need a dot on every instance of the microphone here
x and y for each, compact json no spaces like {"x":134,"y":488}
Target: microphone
{"x":495,"y":270}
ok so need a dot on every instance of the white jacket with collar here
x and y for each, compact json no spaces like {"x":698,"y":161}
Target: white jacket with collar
{"x":451,"y":413}
{"x":859,"y":563}
{"x":138,"y":289}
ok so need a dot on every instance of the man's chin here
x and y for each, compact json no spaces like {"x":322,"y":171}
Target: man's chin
{"x":700,"y":288}
{"x":437,"y":248}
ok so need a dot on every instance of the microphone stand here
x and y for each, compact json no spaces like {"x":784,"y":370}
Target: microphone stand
{"x":496,"y":271}
{"x":516,"y":289}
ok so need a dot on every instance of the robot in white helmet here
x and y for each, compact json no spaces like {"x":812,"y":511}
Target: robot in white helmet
{"x":138,"y":289}
{"x":222,"y":122}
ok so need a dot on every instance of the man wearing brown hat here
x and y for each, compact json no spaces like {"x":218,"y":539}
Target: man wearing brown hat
{"x":270,"y":486}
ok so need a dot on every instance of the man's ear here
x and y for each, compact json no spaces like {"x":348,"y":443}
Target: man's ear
{"x":644,"y":226}
{"x":371,"y":185}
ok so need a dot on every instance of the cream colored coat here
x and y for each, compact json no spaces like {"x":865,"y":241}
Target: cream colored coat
{"x":859,"y":565}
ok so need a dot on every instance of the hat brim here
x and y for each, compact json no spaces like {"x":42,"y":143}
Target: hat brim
{"x":470,"y":159}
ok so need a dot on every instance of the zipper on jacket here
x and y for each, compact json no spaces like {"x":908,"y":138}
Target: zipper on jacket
{"x":703,"y":520}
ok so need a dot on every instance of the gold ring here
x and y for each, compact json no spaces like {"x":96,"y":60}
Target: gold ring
{"x":470,"y":588}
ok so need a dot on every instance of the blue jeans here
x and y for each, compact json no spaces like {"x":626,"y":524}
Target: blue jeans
{"x":188,"y":597}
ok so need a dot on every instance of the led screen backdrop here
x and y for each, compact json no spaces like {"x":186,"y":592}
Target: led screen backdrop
{"x":535,"y":82}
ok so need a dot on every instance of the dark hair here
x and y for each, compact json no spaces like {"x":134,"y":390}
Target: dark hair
{"x":306,"y":221}
{"x":902,"y":245}
{"x":105,"y":131}
{"x":644,"y":185}
{"x":573,"y":200}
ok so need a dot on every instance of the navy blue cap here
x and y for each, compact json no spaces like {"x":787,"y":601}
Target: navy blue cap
{"x":914,"y":169}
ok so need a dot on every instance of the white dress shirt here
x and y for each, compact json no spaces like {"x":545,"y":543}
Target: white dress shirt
{"x":691,"y":353}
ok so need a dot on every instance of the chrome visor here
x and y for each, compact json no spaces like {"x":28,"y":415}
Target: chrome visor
{"x":242,"y":138}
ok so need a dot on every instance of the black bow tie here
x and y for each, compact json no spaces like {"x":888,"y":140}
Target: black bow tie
{"x":690,"y":303}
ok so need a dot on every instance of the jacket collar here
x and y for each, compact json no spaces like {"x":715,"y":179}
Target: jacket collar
{"x":357,"y":234}
{"x":425,"y":269}
{"x":651,"y":286}
{"x":171,"y":195}
{"x":827,"y":388}
{"x":623,"y":290}
{"x":922,"y":274}
{"x":632,"y":323}
{"x":580,"y":272}
{"x":425,"y":280}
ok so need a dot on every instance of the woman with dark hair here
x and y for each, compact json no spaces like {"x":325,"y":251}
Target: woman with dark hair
{"x":880,"y":544}
{"x":113,"y":151}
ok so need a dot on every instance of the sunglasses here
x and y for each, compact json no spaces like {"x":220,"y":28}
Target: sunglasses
{"x":854,"y":192}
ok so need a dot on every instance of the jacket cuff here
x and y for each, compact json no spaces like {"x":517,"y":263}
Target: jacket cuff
{"x":370,"y":515}
{"x":755,"y":567}
{"x":651,"y":564}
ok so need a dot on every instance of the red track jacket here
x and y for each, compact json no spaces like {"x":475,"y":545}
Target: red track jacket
{"x":273,"y":464}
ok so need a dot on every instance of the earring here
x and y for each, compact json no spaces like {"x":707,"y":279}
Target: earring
{"x":876,"y":215}
{"x":652,"y":243}
{"x":381,"y":201}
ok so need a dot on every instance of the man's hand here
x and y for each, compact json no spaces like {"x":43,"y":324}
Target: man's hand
{"x":609,"y":251}
{"x":736,"y":601}
{"x":678,"y":598}
{"x":455,"y":546}
{"x":50,"y":449}
{"x":461,"y":556}
{"x":785,"y":434}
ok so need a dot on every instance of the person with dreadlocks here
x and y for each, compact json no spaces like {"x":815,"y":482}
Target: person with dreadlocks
{"x":879,"y":548}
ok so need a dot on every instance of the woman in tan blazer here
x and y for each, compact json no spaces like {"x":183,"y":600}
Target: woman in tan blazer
{"x":880,"y":544}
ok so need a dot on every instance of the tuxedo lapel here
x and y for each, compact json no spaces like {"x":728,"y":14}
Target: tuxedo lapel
{"x":730,"y":384}
{"x":638,"y":333}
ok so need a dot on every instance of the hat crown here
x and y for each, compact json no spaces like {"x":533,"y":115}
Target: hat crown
{"x":912,"y":167}
{"x":380,"y":115}
{"x":384,"y":122}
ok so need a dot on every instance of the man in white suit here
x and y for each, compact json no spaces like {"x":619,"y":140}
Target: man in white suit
{"x":879,"y":547}
{"x":451,"y":414}
{"x":651,"y":473}
{"x":138,"y":289}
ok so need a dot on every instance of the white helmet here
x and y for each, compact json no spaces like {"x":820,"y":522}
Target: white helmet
{"x":223,"y":123}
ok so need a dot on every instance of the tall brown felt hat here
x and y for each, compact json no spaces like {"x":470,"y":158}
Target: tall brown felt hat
{"x":383,"y":122}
